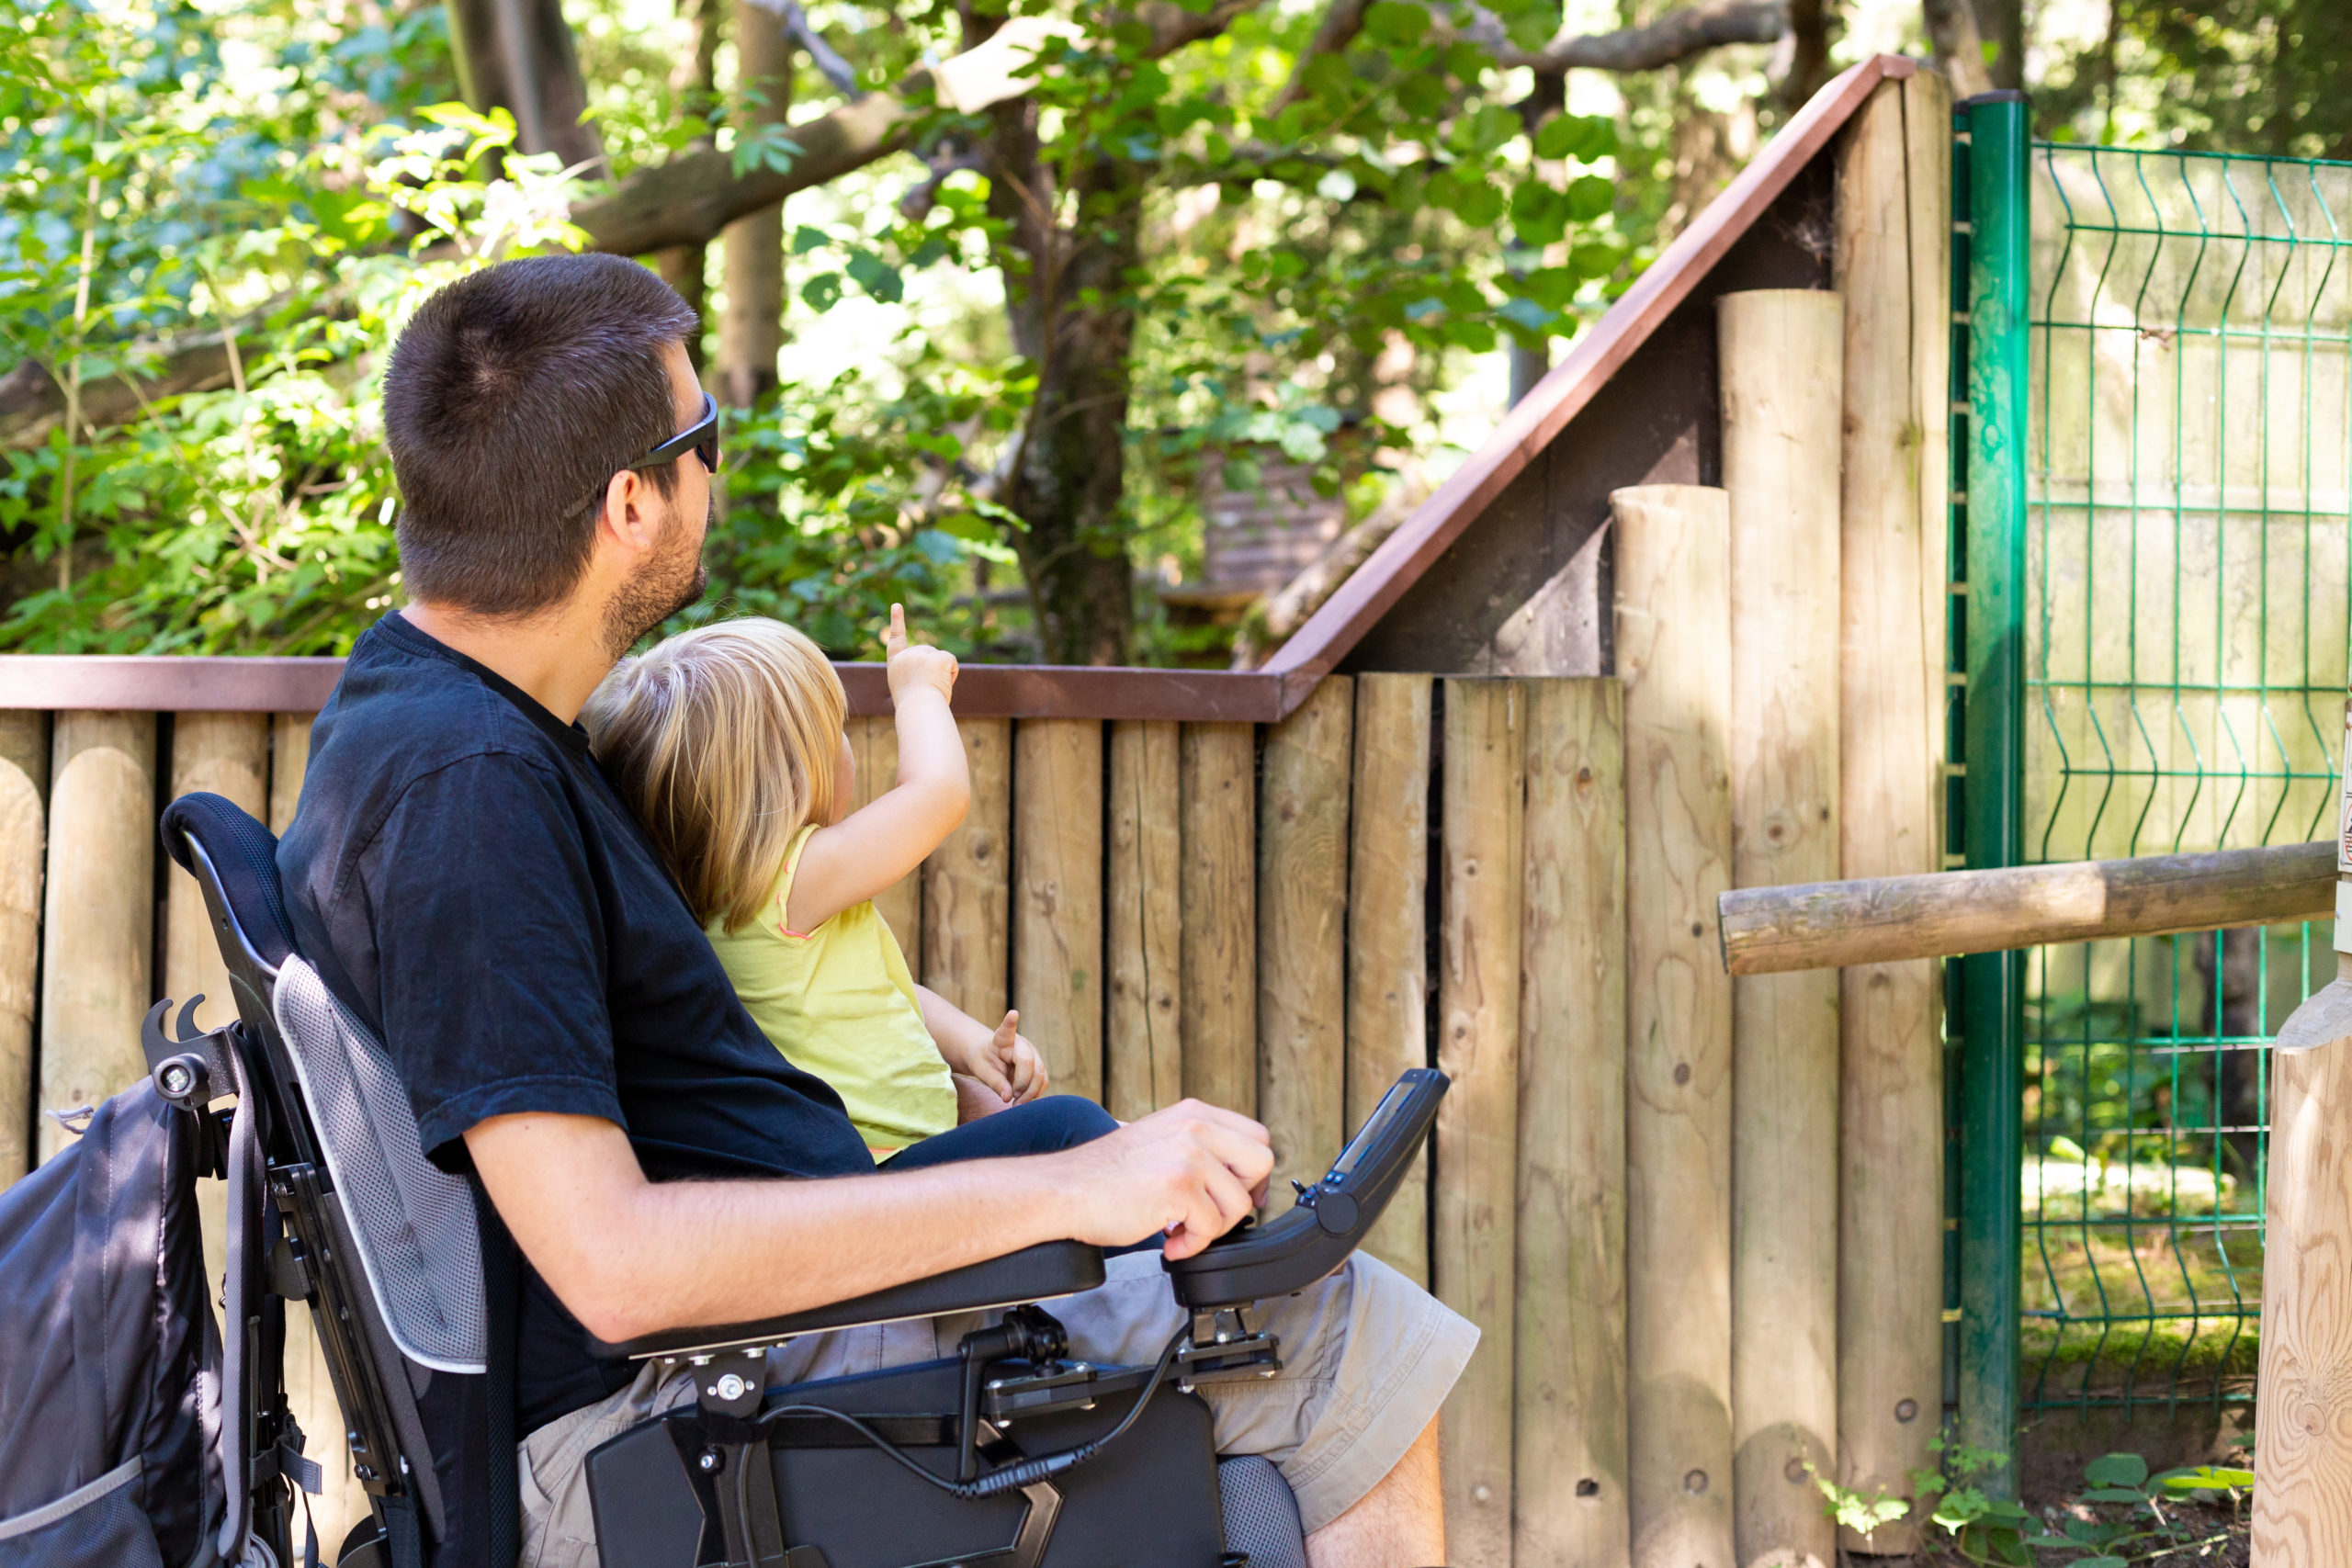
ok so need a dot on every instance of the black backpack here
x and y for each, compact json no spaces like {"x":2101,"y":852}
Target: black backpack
{"x":113,"y":1377}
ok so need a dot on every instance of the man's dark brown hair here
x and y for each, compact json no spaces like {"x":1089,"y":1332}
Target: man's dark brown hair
{"x":511,"y":400}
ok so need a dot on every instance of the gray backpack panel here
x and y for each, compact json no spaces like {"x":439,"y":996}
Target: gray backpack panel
{"x":110,"y":1365}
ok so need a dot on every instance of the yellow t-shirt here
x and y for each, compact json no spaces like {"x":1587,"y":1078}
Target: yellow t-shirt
{"x":839,"y":1002}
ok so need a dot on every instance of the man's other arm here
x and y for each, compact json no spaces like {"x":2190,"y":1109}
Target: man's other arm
{"x":629,"y":1257}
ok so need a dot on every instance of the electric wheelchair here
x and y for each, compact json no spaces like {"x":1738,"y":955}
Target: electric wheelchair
{"x":1008,"y":1455}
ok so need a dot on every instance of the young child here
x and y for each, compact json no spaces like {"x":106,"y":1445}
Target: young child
{"x":728,"y":743}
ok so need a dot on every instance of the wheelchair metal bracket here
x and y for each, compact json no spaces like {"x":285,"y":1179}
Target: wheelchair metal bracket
{"x":729,"y":1386}
{"x":188,"y":1065}
{"x":1224,"y":1349}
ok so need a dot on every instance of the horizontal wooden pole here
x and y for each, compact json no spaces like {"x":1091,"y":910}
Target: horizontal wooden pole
{"x":202,"y":683}
{"x":1829,"y":925}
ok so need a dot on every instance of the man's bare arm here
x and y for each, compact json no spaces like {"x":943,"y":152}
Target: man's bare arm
{"x":629,"y":1257}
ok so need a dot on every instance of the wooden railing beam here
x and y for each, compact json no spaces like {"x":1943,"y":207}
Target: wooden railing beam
{"x":1829,"y":925}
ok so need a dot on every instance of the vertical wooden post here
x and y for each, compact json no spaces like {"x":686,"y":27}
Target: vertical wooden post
{"x":1674,"y":655}
{"x":1058,"y":909}
{"x":24,"y":791}
{"x":1216,"y":771}
{"x":1474,"y":1238}
{"x":1302,"y":931}
{"x":1892,"y":271}
{"x":874,"y":744}
{"x":967,"y":882}
{"x":1568,"y":1447}
{"x":1388,"y":872}
{"x":2302,"y":1491}
{"x":225,"y":754}
{"x":1143,"y":1057}
{"x":98,"y":917}
{"x":290,"y":759}
{"x":1779,"y":355}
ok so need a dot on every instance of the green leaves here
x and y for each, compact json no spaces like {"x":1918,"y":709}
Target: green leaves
{"x":1394,"y":23}
{"x":1588,"y":139}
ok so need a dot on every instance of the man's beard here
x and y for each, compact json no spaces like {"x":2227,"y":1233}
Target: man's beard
{"x":672,"y":577}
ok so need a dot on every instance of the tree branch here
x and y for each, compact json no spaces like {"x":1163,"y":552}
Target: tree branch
{"x":1674,"y":37}
{"x":1340,"y":24}
{"x":822,"y":55}
{"x":32,"y":402}
{"x":689,"y":199}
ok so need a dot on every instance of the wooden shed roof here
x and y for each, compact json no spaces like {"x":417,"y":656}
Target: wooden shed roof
{"x":1375,"y":587}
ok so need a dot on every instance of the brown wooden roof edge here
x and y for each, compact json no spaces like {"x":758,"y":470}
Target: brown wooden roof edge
{"x":1376,"y":585}
{"x":199,"y":684}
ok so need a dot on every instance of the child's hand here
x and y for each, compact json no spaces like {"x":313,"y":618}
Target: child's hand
{"x":1019,"y":1061}
{"x":913,"y":666}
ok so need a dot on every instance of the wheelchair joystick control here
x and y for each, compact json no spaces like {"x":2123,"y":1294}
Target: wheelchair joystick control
{"x":1331,"y":1218}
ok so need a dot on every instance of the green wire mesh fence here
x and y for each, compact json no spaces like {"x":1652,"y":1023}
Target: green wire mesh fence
{"x":2189,"y":485}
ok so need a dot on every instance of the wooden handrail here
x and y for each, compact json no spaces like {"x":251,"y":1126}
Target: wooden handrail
{"x":1829,"y":925}
{"x":196,"y":684}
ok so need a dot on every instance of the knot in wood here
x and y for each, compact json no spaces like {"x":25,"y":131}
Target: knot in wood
{"x":1695,"y":1483}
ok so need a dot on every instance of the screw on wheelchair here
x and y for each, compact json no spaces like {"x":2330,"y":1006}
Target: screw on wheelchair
{"x":1008,"y":1455}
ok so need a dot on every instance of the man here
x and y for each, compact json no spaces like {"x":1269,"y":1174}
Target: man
{"x":467,"y":882}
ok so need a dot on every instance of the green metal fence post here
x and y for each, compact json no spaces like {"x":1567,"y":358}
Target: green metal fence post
{"x":1992,"y":984}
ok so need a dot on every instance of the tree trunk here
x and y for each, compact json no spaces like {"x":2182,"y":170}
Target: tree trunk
{"x":1959,"y":48}
{"x":696,"y":80}
{"x":2001,"y":23}
{"x":1809,"y":56}
{"x":1068,"y":482}
{"x":517,"y":55}
{"x":750,"y":322}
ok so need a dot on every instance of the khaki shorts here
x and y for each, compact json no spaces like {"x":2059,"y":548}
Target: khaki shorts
{"x":1367,"y":1359}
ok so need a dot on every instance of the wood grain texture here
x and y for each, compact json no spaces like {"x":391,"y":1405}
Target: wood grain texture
{"x":1388,"y":872}
{"x":874,"y":746}
{"x":1779,"y":352}
{"x":24,"y":795}
{"x":1673,"y":615}
{"x":98,"y":914}
{"x":1058,"y":896}
{"x":1144,"y":1056}
{"x":1217,"y":773}
{"x":225,"y":754}
{"x":1892,"y":270}
{"x":1474,"y":1237}
{"x":1568,"y":1445}
{"x":290,"y":759}
{"x":967,"y":882}
{"x":2302,"y":1423}
{"x":1303,"y":932}
{"x":1829,"y":925}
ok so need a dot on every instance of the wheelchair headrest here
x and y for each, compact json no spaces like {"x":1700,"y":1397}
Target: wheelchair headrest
{"x":243,"y":855}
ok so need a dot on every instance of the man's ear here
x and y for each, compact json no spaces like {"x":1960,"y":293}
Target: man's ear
{"x":630,"y":519}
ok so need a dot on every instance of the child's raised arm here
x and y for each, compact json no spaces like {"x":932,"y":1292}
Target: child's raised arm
{"x":861,"y":854}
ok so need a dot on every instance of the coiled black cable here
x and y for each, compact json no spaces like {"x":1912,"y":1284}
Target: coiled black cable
{"x":1020,"y":1473}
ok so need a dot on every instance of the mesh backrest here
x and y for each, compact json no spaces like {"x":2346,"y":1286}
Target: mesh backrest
{"x":414,"y":1222}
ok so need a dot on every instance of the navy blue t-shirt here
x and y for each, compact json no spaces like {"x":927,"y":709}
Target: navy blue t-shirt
{"x":465,"y":879}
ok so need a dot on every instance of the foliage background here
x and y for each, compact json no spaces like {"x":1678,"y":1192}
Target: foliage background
{"x":276,"y":174}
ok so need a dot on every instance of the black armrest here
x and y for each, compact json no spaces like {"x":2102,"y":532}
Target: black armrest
{"x":1033,"y":1274}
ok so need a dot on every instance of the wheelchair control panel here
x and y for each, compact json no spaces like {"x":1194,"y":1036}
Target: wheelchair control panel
{"x":1329,"y":1219}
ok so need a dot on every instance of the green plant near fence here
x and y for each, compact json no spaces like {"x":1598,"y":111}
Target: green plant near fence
{"x":2188,"y":482}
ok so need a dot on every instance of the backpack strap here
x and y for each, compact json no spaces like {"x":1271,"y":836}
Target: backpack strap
{"x":240,"y":1334}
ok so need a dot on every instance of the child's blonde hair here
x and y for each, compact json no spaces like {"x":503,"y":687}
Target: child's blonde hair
{"x":724,"y":741}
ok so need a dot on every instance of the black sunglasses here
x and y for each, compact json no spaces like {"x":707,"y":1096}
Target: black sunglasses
{"x":700,"y":437}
